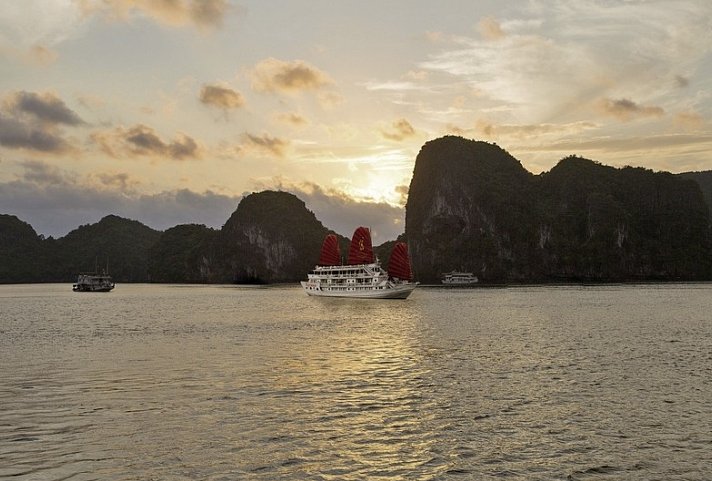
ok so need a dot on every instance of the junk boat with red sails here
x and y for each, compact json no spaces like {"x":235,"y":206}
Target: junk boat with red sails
{"x":362,"y":276}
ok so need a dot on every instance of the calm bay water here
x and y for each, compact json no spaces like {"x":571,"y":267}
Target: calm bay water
{"x":227,"y":383}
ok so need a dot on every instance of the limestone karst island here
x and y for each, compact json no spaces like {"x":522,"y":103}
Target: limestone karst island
{"x":471,"y":206}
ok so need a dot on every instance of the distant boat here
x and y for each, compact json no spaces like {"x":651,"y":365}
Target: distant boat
{"x":457,"y":278}
{"x":94,"y":282}
{"x":362,"y":276}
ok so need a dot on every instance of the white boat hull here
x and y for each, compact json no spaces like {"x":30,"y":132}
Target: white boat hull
{"x":395,"y":291}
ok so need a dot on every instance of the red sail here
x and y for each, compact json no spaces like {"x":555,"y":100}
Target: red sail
{"x":330,"y":254}
{"x":361,"y":250}
{"x":399,"y":265}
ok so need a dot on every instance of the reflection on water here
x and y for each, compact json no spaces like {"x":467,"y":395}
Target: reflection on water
{"x":190,"y":382}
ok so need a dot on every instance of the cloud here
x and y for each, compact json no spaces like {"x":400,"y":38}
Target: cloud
{"x":400,"y":130}
{"x":329,"y":100}
{"x":584,"y":51}
{"x":403,"y":191}
{"x":44,"y":107}
{"x":33,"y":121}
{"x":277,"y":76}
{"x":41,"y":56}
{"x":265,"y":143}
{"x":490,"y":29}
{"x":17,"y":134}
{"x":41,"y":173}
{"x":395,"y":86}
{"x":682,"y":82}
{"x":293,"y":119}
{"x":31,"y":28}
{"x":434,"y":36}
{"x":121,"y":181}
{"x":690,"y":120}
{"x":625,"y":109}
{"x":221,"y":97}
{"x":141,"y":140}
{"x":646,"y":144}
{"x":200,"y":13}
{"x":54,"y":201}
{"x":494,"y":130}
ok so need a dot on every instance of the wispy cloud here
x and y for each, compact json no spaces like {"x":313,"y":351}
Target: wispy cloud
{"x":398,"y":131}
{"x":396,"y":86}
{"x":293,"y":119}
{"x":522,"y":131}
{"x":199,"y":13}
{"x":625,"y":109}
{"x":584,"y":51}
{"x":690,"y":120}
{"x":264,"y":143}
{"x":490,"y":29}
{"x":630,"y":144}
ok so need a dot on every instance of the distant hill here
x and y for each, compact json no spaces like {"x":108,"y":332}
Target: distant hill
{"x":472,"y":206}
{"x":122,"y":243}
{"x":21,"y":250}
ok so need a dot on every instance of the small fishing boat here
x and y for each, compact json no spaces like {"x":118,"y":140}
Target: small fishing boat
{"x":362,"y":276}
{"x":94,"y":282}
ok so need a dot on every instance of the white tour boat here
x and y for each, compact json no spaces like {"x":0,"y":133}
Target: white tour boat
{"x":362,"y":277}
{"x":456,"y":278}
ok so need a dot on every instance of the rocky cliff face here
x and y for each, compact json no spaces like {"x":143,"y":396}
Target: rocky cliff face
{"x":271,"y":237}
{"x":468,"y":204}
{"x":473,"y":207}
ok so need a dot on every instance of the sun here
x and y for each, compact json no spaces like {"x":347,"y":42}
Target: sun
{"x":377,"y":178}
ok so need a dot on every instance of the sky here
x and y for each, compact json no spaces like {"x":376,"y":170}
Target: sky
{"x":169,"y":111}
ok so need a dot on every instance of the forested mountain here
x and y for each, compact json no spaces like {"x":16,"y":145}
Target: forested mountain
{"x":704,"y":180}
{"x":121,"y":243}
{"x":184,"y":254}
{"x":21,"y":250}
{"x":472,"y":206}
